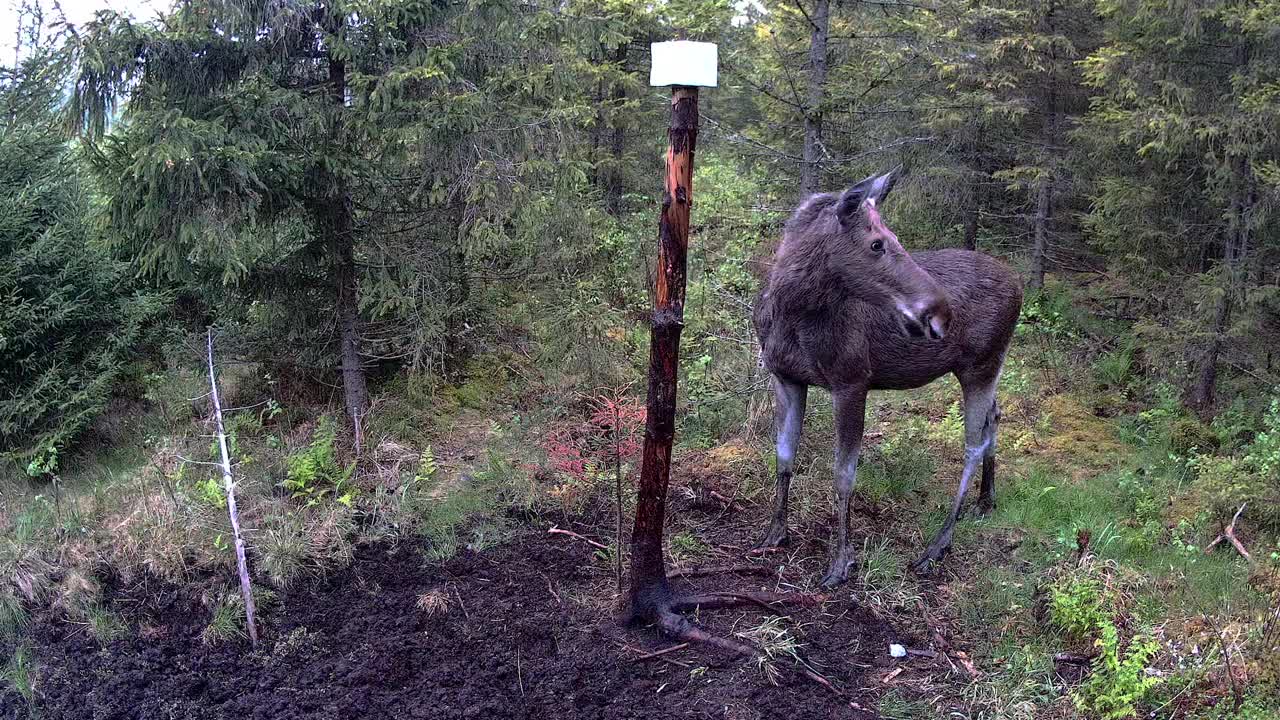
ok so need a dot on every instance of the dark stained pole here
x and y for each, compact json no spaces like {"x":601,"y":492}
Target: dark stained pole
{"x":650,"y":592}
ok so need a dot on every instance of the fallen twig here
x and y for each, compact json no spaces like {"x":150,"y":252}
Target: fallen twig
{"x":660,"y":653}
{"x":557,"y":531}
{"x":764,"y":599}
{"x":229,"y":488}
{"x":1229,"y":533}
{"x":922,"y":653}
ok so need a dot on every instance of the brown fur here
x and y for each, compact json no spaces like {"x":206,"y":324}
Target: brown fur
{"x":820,"y":324}
{"x":845,"y":307}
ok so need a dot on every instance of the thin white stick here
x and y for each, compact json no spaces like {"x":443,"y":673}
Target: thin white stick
{"x":241,"y":564}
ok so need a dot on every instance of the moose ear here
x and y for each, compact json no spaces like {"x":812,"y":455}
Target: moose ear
{"x":851,"y":200}
{"x":881,"y":186}
{"x":873,"y":189}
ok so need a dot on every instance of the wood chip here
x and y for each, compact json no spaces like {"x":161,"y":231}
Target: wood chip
{"x":967,"y":663}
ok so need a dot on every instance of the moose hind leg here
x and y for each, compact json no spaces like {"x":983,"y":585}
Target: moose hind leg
{"x":789,"y":422}
{"x":987,"y":493}
{"x":850,"y":411}
{"x":979,"y":399}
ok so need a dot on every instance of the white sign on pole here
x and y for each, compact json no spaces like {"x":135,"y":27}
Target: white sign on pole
{"x":683,"y":62}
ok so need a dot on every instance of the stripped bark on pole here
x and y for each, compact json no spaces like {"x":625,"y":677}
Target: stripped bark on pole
{"x":242,"y":565}
{"x":650,"y":594}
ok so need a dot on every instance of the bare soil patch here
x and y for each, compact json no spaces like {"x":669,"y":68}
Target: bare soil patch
{"x":521,"y":631}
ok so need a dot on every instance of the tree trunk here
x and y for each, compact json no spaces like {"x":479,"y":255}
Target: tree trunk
{"x":1044,"y":196}
{"x":597,"y":133}
{"x":1044,"y":213}
{"x":811,"y":170}
{"x":355,"y":389}
{"x":617,"y":140}
{"x":1201,"y":396}
{"x":339,"y":223}
{"x":650,"y":592}
{"x":971,"y":218}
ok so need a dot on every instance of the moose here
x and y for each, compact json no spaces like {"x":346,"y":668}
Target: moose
{"x":846,"y":308}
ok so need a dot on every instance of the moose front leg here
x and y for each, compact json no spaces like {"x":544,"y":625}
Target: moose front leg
{"x":850,"y":412}
{"x":979,"y":436}
{"x":789,"y":422}
{"x":987,"y":494}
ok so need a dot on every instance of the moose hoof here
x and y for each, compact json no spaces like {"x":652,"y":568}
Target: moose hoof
{"x":927,"y":563}
{"x":837,"y":575}
{"x":776,"y":538}
{"x":986,"y":506}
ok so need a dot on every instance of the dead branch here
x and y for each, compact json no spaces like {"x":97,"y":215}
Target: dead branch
{"x":242,"y":565}
{"x":1229,"y":534}
{"x":660,"y":653}
{"x":558,"y":531}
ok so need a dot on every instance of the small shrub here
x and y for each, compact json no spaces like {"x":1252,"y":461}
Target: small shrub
{"x":209,"y":491}
{"x":427,"y":466}
{"x":1114,"y":369}
{"x":283,"y":549}
{"x":433,"y":603}
{"x":776,"y":642}
{"x":13,"y":616}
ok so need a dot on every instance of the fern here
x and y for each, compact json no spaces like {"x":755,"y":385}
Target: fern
{"x":426,"y":466}
{"x":314,"y":472}
{"x":1117,"y":683}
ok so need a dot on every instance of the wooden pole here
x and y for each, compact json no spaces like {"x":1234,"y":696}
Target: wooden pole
{"x":650,"y":592}
{"x":242,"y":565}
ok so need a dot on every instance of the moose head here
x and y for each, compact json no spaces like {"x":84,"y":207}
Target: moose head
{"x":876,"y":268}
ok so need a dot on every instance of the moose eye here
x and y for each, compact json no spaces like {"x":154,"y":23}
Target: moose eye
{"x":877,"y":246}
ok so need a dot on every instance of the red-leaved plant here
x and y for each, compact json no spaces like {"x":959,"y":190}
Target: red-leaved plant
{"x":612,"y":436}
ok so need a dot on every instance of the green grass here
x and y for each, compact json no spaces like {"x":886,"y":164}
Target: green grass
{"x":882,"y":577}
{"x":895,"y":705}
{"x":453,"y":515}
{"x":227,"y":623}
{"x":104,"y":625}
{"x":20,"y":673}
{"x":1023,"y":684}
{"x":685,"y":546}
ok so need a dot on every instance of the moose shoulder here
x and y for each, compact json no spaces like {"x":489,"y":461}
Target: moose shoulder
{"x":846,"y":308}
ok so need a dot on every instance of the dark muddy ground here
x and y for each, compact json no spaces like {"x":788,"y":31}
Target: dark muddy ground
{"x":521,"y":631}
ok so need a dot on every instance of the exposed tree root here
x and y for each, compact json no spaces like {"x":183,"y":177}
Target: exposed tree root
{"x":674,"y":625}
{"x":679,"y":627}
{"x":717,"y":569}
{"x":767,"y":601}
{"x":1229,"y":534}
